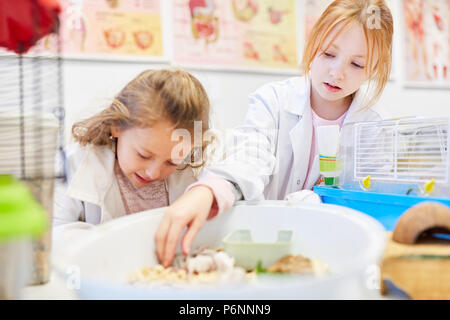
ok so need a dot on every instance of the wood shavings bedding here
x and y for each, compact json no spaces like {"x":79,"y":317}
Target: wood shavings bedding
{"x":207,"y":266}
{"x":204,"y":266}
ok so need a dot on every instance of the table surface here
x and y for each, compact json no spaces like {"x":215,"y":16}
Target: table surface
{"x":56,"y":289}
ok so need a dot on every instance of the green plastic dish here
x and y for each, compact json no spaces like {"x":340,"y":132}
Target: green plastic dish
{"x":249,"y":254}
{"x":20,"y":214}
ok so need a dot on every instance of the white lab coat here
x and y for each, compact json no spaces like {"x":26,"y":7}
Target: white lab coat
{"x":92,"y":195}
{"x":268,"y":156}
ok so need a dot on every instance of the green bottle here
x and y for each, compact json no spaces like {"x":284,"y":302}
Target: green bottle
{"x":21,"y":219}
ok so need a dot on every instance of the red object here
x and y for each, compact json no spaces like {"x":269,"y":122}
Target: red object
{"x":439,"y":22}
{"x":195,"y":4}
{"x":24,"y":22}
{"x":204,"y":29}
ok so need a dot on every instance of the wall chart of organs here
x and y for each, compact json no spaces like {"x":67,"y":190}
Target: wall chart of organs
{"x":204,"y":22}
{"x":426,"y":42}
{"x":106,"y":30}
{"x":244,"y":10}
{"x":244,"y":34}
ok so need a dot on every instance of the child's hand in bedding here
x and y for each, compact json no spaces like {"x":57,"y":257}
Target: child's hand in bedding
{"x":190,"y":210}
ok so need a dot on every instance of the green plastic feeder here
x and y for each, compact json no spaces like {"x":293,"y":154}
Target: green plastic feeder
{"x":249,"y":254}
{"x":20,"y":214}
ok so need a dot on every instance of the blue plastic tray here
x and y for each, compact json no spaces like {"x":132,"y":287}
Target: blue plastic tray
{"x":386,"y":208}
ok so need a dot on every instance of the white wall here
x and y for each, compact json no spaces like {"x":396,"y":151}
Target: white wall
{"x":89,"y":85}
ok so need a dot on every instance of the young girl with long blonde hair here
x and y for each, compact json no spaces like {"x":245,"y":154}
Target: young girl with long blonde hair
{"x":275,"y":152}
{"x":129,"y":158}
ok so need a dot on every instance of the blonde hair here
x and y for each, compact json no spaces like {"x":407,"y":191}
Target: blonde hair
{"x":377,"y":37}
{"x":154,"y":95}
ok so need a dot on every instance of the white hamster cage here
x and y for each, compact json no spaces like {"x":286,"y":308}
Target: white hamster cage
{"x":389,"y":166}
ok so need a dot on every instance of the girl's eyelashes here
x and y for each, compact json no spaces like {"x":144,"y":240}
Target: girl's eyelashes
{"x":357,"y":65}
{"x":170,"y":163}
{"x":143,"y":157}
{"x":330,"y":55}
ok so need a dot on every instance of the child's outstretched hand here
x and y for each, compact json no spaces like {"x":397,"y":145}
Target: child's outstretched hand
{"x":190,"y":210}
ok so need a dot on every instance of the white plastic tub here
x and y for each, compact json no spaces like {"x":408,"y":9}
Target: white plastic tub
{"x":349,"y":242}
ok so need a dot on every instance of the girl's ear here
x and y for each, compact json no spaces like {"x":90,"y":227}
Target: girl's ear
{"x":115,"y":132}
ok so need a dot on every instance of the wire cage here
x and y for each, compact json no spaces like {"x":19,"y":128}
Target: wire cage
{"x":399,"y":156}
{"x":32,"y":128}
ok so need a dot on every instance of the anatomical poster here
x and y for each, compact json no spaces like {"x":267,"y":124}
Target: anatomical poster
{"x":110,"y":28}
{"x":426,"y":43}
{"x":242,"y":34}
